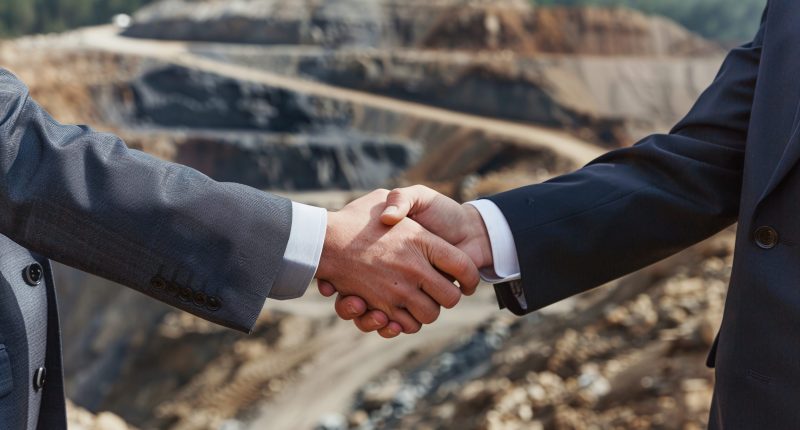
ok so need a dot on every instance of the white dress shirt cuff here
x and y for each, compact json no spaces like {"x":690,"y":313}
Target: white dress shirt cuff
{"x":301,"y":258}
{"x":504,"y":251}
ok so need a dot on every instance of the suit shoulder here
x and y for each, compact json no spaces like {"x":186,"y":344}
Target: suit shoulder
{"x":13,"y":98}
{"x":11,"y":86}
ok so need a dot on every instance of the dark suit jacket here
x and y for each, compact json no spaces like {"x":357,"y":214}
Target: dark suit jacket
{"x":84,"y":199}
{"x":733,"y":157}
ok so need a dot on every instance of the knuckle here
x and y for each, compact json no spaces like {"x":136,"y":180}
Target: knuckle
{"x":461,"y":264}
{"x":433,"y":315}
{"x":404,"y":295}
{"x":452,"y":301}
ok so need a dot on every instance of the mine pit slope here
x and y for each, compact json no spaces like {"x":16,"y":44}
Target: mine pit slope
{"x":107,"y":38}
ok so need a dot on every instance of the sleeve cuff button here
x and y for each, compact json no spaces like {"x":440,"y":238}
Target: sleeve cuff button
{"x":214,"y":303}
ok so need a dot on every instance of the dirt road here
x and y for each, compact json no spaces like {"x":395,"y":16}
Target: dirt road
{"x":349,"y":359}
{"x":107,"y":38}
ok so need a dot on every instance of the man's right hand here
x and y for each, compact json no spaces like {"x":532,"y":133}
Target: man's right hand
{"x":460,"y":225}
{"x":396,"y":272}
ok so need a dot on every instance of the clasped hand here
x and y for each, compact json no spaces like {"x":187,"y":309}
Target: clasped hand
{"x":393,"y":257}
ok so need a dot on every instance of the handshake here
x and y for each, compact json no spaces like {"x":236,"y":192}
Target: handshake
{"x":393,"y":257}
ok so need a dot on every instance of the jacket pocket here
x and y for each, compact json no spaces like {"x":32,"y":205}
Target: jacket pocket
{"x":6,"y":378}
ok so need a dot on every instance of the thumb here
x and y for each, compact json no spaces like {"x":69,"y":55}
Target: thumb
{"x":403,"y":202}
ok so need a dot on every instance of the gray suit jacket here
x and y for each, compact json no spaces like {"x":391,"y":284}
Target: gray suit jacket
{"x":83,"y":198}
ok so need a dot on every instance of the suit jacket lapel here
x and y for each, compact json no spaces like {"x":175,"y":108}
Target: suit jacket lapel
{"x":780,"y":67}
{"x":788,"y":161}
{"x":53,"y":412}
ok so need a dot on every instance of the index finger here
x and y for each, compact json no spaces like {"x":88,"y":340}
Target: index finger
{"x":454,"y":262}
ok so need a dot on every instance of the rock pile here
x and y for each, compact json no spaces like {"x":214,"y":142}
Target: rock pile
{"x":560,"y":30}
{"x":81,"y":419}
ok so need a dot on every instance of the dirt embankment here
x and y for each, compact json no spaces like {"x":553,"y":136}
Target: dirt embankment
{"x":444,"y":24}
{"x":563,"y":30}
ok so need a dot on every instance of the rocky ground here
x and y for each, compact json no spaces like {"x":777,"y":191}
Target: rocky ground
{"x":627,"y":356}
{"x":81,"y":419}
{"x":321,"y":100}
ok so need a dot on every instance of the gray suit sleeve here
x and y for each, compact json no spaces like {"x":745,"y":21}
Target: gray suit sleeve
{"x":84,"y":199}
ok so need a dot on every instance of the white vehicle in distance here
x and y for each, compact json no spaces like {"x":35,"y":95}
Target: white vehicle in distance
{"x":121,"y":21}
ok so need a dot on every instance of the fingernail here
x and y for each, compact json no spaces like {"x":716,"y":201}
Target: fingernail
{"x":374,"y":321}
{"x":391,"y":210}
{"x":351,"y":309}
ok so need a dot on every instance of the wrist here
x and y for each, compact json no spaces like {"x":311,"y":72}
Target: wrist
{"x":478,"y":237}
{"x":329,"y":248}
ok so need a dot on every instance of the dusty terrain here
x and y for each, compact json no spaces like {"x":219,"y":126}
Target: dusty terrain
{"x":627,"y":356}
{"x":323,"y":103}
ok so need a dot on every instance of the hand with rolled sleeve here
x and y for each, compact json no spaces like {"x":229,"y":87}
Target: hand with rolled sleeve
{"x":477,"y":228}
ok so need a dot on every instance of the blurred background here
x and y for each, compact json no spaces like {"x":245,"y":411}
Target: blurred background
{"x":323,"y":100}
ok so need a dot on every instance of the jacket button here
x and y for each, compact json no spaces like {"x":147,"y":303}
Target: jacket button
{"x":214,"y":303}
{"x":39,"y":378}
{"x":185,"y":294}
{"x":33,"y":274}
{"x":200,"y":299}
{"x":766,"y":237}
{"x":158,"y":283}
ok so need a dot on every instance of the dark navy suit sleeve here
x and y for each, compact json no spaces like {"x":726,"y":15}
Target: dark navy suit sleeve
{"x":635,"y":206}
{"x":83,"y":198}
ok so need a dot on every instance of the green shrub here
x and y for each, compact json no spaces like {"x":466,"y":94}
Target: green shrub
{"x":728,"y":21}
{"x":44,"y":16}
